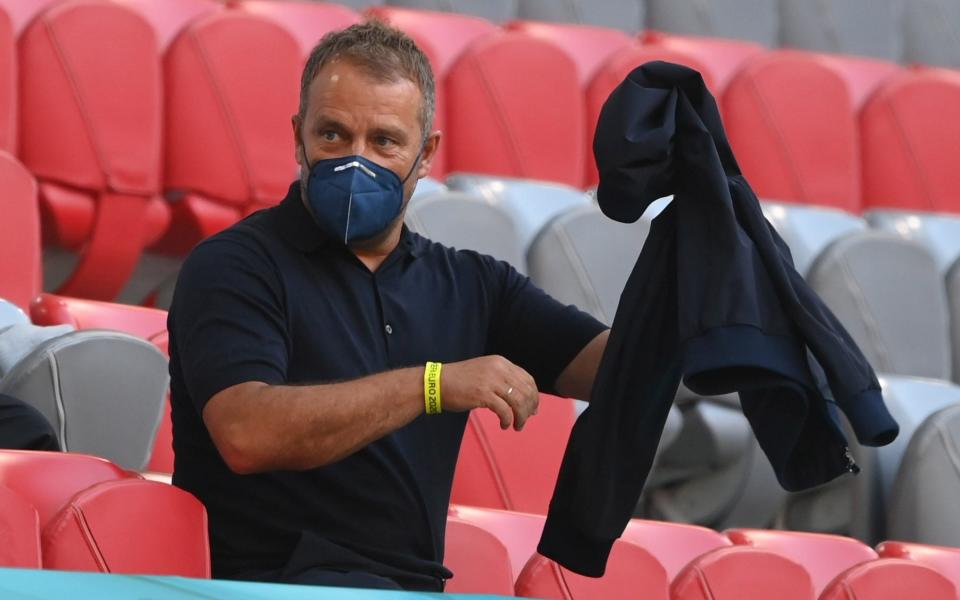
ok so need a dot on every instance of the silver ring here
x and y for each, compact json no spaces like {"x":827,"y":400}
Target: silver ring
{"x":510,"y":391}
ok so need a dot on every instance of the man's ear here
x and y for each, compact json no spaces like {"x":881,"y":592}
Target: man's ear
{"x":297,"y":139}
{"x":429,"y":151}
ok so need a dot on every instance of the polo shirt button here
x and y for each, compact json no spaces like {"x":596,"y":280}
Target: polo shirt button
{"x":388,"y":329}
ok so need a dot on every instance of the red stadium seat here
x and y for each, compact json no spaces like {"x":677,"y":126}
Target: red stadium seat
{"x":790,"y":122}
{"x":94,"y":145}
{"x":742,"y":573}
{"x":8,"y":85}
{"x":823,"y":556}
{"x":131,"y":526}
{"x":518,"y":532}
{"x":588,"y":46}
{"x":306,"y":21}
{"x":229,"y":146}
{"x":945,"y":561}
{"x":443,"y":37}
{"x":720,"y":56}
{"x":479,"y":561}
{"x":909,"y":132}
{"x":862,"y":75}
{"x":673,"y":544}
{"x":21,"y":12}
{"x":631,"y":572}
{"x":169,"y":17}
{"x":890,"y":579}
{"x":488,"y":472}
{"x":19,"y":234}
{"x":19,"y":531}
{"x":520,"y":111}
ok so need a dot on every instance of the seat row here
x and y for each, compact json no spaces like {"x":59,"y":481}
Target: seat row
{"x":198,"y":136}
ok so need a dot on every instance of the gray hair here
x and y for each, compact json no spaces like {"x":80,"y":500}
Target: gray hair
{"x":384,"y":52}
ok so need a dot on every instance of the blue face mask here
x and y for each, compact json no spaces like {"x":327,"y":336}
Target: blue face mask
{"x":353,"y":198}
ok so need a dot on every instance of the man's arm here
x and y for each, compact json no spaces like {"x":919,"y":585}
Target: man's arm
{"x":576,"y":380}
{"x":260,"y":427}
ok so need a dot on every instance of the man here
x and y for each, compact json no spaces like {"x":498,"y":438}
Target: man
{"x":300,"y":339}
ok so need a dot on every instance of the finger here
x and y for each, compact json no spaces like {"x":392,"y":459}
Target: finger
{"x":517,"y":395}
{"x":501,"y":408}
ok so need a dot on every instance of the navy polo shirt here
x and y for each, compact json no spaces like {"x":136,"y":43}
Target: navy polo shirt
{"x":271,"y":300}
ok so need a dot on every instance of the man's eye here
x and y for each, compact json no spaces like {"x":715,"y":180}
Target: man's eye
{"x":384,"y":141}
{"x":330,"y":136}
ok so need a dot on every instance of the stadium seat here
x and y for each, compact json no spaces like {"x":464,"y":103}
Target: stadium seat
{"x":8,"y":84}
{"x":742,"y":573}
{"x":11,"y":314}
{"x":493,"y":10}
{"x":427,"y":187}
{"x":942,"y":559}
{"x":625,"y":15}
{"x":924,"y":499}
{"x":953,"y":297}
{"x":631,"y":571}
{"x":479,"y":561}
{"x":822,"y":556}
{"x":103,"y":173}
{"x":589,"y":46}
{"x":889,"y":295}
{"x":306,"y":21}
{"x":890,"y":579}
{"x":104,"y":392}
{"x":356,"y":4}
{"x":20,"y":527}
{"x":789,"y":119}
{"x":930,"y":32}
{"x":721,"y":57}
{"x":129,"y":526}
{"x":530,"y":204}
{"x":857,"y":27}
{"x":863,"y":76}
{"x":753,"y":20}
{"x":229,"y":146}
{"x":22,"y":12}
{"x":510,"y":124}
{"x":169,"y":17}
{"x":465,"y":222}
{"x":938,"y":232}
{"x":809,"y":230}
{"x":518,"y":532}
{"x":674,"y":545}
{"x":20,"y":263}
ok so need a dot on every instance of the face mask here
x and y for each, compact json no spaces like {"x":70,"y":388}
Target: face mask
{"x":353,"y":198}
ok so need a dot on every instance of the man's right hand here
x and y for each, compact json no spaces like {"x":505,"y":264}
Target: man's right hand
{"x":491,"y":382}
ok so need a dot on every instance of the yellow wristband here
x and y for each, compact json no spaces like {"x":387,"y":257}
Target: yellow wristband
{"x":431,"y":387}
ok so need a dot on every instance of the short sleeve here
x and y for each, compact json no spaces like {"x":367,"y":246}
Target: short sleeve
{"x":227,"y":320}
{"x":534,"y":330}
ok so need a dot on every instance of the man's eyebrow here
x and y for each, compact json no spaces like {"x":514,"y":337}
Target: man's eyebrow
{"x":391,"y":132}
{"x":330,"y":122}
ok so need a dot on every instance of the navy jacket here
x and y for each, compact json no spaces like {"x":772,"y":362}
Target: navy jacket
{"x":713,"y":299}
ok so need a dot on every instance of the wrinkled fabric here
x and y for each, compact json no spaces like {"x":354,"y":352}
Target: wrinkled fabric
{"x":713,"y":300}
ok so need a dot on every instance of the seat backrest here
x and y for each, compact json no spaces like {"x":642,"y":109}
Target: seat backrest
{"x":674,"y":545}
{"x":589,"y":46}
{"x":930,"y":32}
{"x":8,"y":84}
{"x":890,"y":579}
{"x":938,"y":232}
{"x":754,"y":20}
{"x":169,"y":17}
{"x":50,"y":309}
{"x":465,"y":222}
{"x":47,"y":480}
{"x":131,"y":526}
{"x":790,"y":122}
{"x":488,"y":472}
{"x":625,"y":15}
{"x":721,"y":57}
{"x":909,"y":130}
{"x":11,"y":314}
{"x":494,"y":10}
{"x":108,"y":136}
{"x":863,"y":76}
{"x":519,"y":532}
{"x":861,"y":27}
{"x":630,"y":569}
{"x":584,"y":258}
{"x":228,"y":109}
{"x":942,"y":559}
{"x":20,"y":256}
{"x":809,"y":230}
{"x":823,"y":556}
{"x":923,"y":501}
{"x":22,"y":12}
{"x":742,"y":573}
{"x":953,"y":295}
{"x":478,"y":559}
{"x":306,"y":21}
{"x":889,"y":295}
{"x":508,"y":123}
{"x":103,"y":392}
{"x":19,"y":531}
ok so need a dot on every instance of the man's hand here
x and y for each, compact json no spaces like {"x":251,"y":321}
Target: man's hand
{"x":491,"y":382}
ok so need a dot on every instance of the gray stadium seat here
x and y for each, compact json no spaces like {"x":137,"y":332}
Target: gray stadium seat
{"x":497,"y":11}
{"x":932,"y":32}
{"x":862,"y":27}
{"x":103,"y":391}
{"x":808,"y":230}
{"x":11,"y":314}
{"x":531,"y":204}
{"x":755,"y":20}
{"x":626,"y":15}
{"x":889,"y":294}
{"x":427,"y":186}
{"x":355,"y":4}
{"x":953,"y":299}
{"x":940,"y":233}
{"x":923,"y":506}
{"x":465,"y":222}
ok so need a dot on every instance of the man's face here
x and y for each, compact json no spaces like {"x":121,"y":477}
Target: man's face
{"x":351,"y":113}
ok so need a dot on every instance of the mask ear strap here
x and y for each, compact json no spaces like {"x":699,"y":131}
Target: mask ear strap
{"x":416,"y":162}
